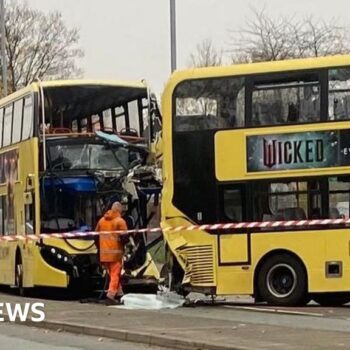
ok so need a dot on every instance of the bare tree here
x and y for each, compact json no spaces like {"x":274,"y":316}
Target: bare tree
{"x":39,"y":45}
{"x":206,"y":55}
{"x":264,"y":38}
{"x":320,"y":38}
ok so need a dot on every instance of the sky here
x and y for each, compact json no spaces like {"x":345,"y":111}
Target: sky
{"x":130,"y":39}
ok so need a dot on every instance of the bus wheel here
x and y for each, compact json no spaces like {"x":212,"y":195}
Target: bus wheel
{"x":331,"y":299}
{"x":19,"y":278}
{"x":282,"y":281}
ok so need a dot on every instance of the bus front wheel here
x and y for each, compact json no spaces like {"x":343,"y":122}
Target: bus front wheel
{"x":282,"y":281}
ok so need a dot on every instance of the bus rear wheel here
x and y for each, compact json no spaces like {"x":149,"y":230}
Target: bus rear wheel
{"x":282,"y":281}
{"x":331,"y":299}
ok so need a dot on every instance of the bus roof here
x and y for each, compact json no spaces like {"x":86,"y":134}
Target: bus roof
{"x":258,"y":68}
{"x":82,"y":82}
{"x":34,"y":87}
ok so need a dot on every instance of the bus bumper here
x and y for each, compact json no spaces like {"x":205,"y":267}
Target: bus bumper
{"x":57,"y":268}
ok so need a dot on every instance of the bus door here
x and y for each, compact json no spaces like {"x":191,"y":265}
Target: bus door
{"x":233,"y":246}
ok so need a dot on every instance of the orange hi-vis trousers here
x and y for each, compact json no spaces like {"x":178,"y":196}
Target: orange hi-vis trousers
{"x":114,"y":270}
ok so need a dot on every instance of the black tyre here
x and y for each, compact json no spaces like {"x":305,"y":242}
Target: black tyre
{"x":331,"y":299}
{"x":19,"y":278}
{"x":282,"y":281}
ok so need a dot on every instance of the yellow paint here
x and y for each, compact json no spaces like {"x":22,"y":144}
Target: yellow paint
{"x":235,"y":166}
{"x":234,"y":248}
{"x":314,"y":248}
{"x":36,"y":271}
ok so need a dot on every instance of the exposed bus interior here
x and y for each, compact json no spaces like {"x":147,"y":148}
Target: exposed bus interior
{"x":86,"y":108}
{"x":95,"y":141}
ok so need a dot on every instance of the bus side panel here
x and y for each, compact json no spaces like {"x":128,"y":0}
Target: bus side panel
{"x":46,"y":275}
{"x":234,"y":280}
{"x":234,"y":271}
{"x":18,"y":164}
{"x":18,"y":193}
{"x":315,"y":249}
{"x":7,"y":265}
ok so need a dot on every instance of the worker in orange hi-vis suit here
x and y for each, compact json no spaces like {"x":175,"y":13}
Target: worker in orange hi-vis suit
{"x":111,"y":249}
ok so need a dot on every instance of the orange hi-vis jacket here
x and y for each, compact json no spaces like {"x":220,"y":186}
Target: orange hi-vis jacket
{"x":111,"y":248}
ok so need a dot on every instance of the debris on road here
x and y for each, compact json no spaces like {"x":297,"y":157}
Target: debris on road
{"x":160,"y":301}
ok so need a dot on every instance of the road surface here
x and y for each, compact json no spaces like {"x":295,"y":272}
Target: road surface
{"x":18,"y":337}
{"x":237,"y":323}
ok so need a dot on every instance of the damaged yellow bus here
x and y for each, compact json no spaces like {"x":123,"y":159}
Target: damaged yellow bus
{"x":253,"y":143}
{"x":68,"y":149}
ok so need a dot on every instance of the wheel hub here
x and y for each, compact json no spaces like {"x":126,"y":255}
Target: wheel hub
{"x":281,"y":280}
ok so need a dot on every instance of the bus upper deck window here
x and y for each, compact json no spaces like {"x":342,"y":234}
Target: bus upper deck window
{"x":209,"y":104}
{"x":28,"y":118}
{"x":339,"y":94}
{"x":289,"y":99}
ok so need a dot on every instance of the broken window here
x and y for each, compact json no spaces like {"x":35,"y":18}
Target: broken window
{"x":206,"y":104}
{"x":88,"y":156}
{"x":286,"y":99}
{"x":339,"y":94}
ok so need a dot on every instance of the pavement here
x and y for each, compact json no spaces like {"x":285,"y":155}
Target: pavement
{"x":235,"y":325}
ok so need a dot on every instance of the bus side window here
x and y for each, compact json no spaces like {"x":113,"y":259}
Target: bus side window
{"x":75,"y":126}
{"x":84,"y":125}
{"x":2,"y":215}
{"x":7,"y":132}
{"x":339,"y":94}
{"x":120,"y":118}
{"x":1,"y":124}
{"x":29,"y":218}
{"x":28,"y":118}
{"x":286,"y":99}
{"x":339,"y":197}
{"x":209,"y":104}
{"x":107,"y":119}
{"x":134,"y":116}
{"x":232,"y":204}
{"x":17,"y":121}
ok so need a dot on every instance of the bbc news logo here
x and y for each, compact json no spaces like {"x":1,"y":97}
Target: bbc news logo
{"x":22,"y":312}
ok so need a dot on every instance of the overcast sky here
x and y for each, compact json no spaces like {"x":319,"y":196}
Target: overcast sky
{"x":129,"y":39}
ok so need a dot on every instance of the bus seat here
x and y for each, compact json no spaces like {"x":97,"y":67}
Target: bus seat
{"x":129,"y":132}
{"x":61,"y":131}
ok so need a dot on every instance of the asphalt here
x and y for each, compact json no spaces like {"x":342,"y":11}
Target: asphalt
{"x":211,"y":328}
{"x":31,"y":338}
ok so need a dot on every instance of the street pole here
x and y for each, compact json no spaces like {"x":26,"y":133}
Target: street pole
{"x":3,"y":47}
{"x":173,"y":34}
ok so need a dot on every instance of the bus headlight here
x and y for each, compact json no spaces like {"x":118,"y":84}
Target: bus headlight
{"x":57,"y":258}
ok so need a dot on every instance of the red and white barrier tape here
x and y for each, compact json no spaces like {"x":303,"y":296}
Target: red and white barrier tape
{"x":226,"y":226}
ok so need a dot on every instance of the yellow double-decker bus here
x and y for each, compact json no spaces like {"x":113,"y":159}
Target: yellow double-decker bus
{"x":66,"y":151}
{"x":254,"y":143}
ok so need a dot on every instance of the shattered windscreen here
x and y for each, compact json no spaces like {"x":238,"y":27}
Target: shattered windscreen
{"x":88,"y":156}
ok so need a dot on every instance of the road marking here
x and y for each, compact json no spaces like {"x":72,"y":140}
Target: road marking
{"x":300,"y":313}
{"x":281,"y":311}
